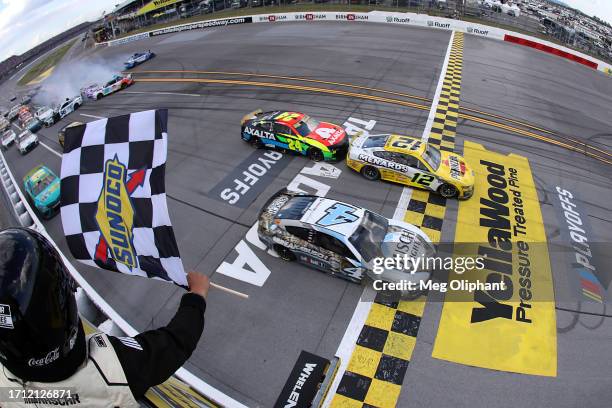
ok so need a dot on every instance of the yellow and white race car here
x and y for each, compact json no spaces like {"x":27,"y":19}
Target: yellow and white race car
{"x":410,"y":161}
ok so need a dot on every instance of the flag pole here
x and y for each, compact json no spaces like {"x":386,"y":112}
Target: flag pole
{"x":228,"y":290}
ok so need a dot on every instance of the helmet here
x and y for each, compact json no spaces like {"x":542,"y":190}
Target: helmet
{"x":41,"y":338}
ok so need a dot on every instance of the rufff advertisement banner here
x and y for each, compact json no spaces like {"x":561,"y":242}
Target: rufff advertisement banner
{"x":513,"y":329}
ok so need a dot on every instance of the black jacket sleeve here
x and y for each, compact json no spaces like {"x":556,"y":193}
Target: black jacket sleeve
{"x":151,"y":357}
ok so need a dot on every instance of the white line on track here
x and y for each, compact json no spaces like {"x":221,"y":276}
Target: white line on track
{"x":436,"y":99}
{"x":50,"y":149}
{"x":161,"y":93}
{"x":91,"y":116}
{"x":362,"y":310}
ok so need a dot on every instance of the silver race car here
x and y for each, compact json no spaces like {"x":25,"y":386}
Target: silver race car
{"x":339,"y":238}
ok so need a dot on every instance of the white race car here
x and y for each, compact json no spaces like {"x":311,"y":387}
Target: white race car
{"x":70,"y":105}
{"x":47,"y":115}
{"x":4,"y":124}
{"x":338,"y":238}
{"x":26,"y":141}
{"x":117,"y":83}
{"x":8,"y":138}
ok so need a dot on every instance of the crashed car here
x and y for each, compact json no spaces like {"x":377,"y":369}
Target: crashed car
{"x":296,"y":132}
{"x":4,"y":124}
{"x":341,"y":239}
{"x":61,"y":135}
{"x":69,"y":106}
{"x":138,"y":58}
{"x":13,"y":113}
{"x":47,"y":115}
{"x":117,"y":83}
{"x":32,"y":124}
{"x":42,"y":189}
{"x":88,"y":91}
{"x":26,"y":141}
{"x":410,"y":161}
{"x":8,"y":138}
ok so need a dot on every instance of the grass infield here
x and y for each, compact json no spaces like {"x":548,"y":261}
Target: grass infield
{"x":46,"y":64}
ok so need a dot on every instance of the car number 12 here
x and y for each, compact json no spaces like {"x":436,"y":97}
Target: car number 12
{"x":422,"y":179}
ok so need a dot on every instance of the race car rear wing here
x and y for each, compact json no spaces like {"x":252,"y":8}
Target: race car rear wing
{"x":250,"y":116}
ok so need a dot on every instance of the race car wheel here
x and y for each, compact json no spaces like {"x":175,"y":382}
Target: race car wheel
{"x":76,"y":106}
{"x":123,"y":85}
{"x":284,"y":253}
{"x":371,"y":173}
{"x":99,"y":96}
{"x":315,"y":154}
{"x":447,"y":190}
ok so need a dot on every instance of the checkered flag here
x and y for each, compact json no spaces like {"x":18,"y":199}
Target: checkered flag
{"x":113,"y":196}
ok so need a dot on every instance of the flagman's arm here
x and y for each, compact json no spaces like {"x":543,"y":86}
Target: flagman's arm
{"x":151,"y":357}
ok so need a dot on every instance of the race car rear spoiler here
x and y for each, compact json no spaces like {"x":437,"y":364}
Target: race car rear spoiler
{"x":250,"y":116}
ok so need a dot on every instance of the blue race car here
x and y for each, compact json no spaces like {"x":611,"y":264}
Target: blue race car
{"x":138,"y":58}
{"x":42,"y":187}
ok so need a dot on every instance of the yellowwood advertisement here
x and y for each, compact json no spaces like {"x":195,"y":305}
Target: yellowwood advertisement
{"x":512,"y":329}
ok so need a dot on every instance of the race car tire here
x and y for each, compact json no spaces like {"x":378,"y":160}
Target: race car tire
{"x":99,"y":96}
{"x":76,"y":106}
{"x":315,"y":154}
{"x":371,"y":173}
{"x":447,"y":190}
{"x":123,"y":86}
{"x":285,"y":253}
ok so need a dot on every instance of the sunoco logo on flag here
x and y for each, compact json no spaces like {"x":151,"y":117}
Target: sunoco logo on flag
{"x":113,"y":196}
{"x":115,"y":214}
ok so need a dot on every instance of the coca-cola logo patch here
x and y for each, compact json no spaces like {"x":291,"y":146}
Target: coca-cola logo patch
{"x":48,"y":359}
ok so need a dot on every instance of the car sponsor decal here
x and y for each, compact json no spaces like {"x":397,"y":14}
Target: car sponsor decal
{"x":377,"y":161}
{"x":259,"y":133}
{"x":338,"y":213}
{"x":328,"y":135}
{"x":457,"y":169}
{"x":250,"y":178}
{"x":513,"y":329}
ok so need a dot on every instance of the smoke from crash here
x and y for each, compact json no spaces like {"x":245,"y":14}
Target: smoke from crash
{"x":68,"y":79}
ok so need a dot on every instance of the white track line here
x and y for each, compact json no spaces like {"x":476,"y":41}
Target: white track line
{"x":161,"y":93}
{"x":436,"y":99}
{"x":362,"y":310}
{"x":91,"y":116}
{"x":50,"y":149}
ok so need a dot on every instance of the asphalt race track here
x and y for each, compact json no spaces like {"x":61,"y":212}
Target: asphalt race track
{"x":250,"y":345}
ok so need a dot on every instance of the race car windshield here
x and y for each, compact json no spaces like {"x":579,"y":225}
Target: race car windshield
{"x":432,"y":157}
{"x":306,"y":127}
{"x":370,"y":234}
{"x":6,"y":136}
{"x":42,"y":184}
{"x":24,"y":136}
